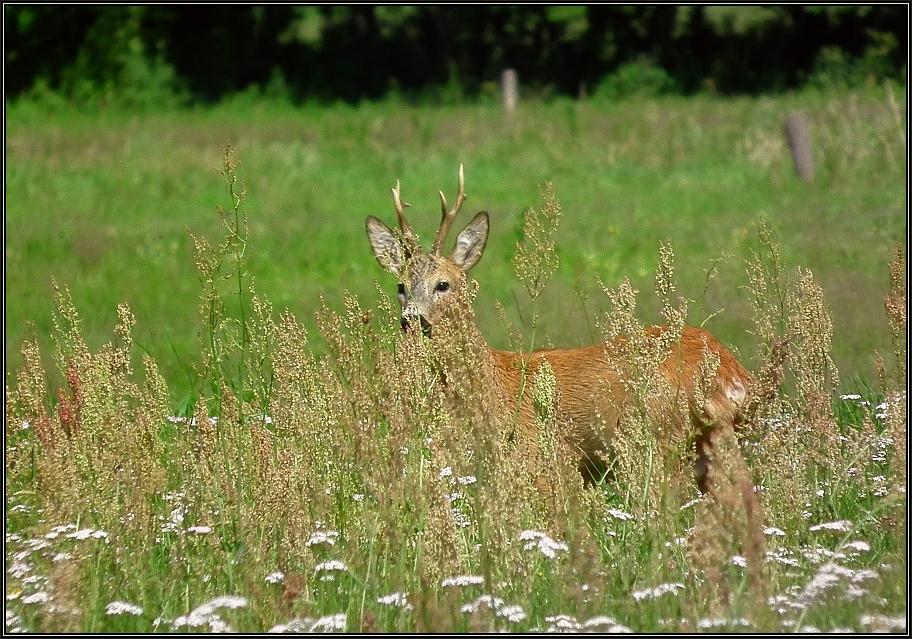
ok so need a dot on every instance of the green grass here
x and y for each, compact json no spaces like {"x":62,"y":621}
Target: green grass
{"x":120,"y":488}
{"x":102,"y":203}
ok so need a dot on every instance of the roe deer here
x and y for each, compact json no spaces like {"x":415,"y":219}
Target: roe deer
{"x":590,"y":385}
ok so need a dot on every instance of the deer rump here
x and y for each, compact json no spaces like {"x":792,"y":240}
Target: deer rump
{"x":594,"y":392}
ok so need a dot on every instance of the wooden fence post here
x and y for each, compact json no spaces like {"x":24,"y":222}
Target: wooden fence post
{"x":509,"y":87}
{"x":799,"y":137}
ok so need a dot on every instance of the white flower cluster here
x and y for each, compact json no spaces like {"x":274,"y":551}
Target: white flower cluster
{"x":547,"y":546}
{"x":658,"y":591}
{"x":513,"y":614}
{"x":597,"y":624}
{"x":329,"y":623}
{"x":327,"y":537}
{"x":122,"y":608}
{"x":398,"y":599}
{"x":462,"y":580}
{"x":206,"y":615}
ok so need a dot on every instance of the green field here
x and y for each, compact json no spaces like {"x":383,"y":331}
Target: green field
{"x":147,"y":491}
{"x":102,"y":204}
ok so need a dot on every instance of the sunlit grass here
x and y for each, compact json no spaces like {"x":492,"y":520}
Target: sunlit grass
{"x":103,"y":201}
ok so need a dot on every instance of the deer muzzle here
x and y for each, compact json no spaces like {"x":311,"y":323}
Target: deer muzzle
{"x":412,"y":319}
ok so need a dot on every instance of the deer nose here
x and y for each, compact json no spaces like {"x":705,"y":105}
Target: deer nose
{"x":414,"y":318}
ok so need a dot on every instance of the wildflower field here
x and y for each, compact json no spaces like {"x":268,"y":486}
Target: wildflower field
{"x":226,"y":430}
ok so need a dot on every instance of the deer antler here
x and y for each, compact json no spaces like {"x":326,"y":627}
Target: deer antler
{"x":448,"y":216}
{"x":407,"y":232}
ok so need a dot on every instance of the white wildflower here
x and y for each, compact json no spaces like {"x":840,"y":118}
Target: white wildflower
{"x":86,"y":533}
{"x":462,"y":580}
{"x":600,"y":620}
{"x":884,"y":623}
{"x":200,"y":530}
{"x":818,"y":555}
{"x":658,"y":591}
{"x":446,"y":472}
{"x":547,"y":546}
{"x":320,"y":537}
{"x":827,"y":576}
{"x":836,"y":526}
{"x":18,"y":569}
{"x":858,"y":546}
{"x":864,"y":575}
{"x":720,"y":622}
{"x":783,"y":556}
{"x":122,"y":608}
{"x":296,"y":625}
{"x":468,"y":479}
{"x":460,"y":519}
{"x":37,"y":544}
{"x":275,"y":577}
{"x":562,"y":623}
{"x":619,"y":514}
{"x":177,"y":515}
{"x":329,"y":623}
{"x":332,"y":564}
{"x":398,"y":599}
{"x":513,"y":614}
{"x":205,"y":614}
{"x":37,"y":598}
{"x":488,"y":601}
{"x":772,"y":530}
{"x":610,"y":625}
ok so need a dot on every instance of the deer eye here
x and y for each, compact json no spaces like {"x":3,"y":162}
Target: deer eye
{"x":400,"y":289}
{"x":442,"y":287}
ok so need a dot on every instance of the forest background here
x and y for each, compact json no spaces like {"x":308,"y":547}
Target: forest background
{"x":198,"y":53}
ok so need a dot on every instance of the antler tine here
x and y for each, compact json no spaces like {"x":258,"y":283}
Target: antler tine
{"x":406,"y":228}
{"x":449,"y":215}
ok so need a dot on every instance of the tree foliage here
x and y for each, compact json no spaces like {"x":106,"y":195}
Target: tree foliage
{"x":204,"y":52}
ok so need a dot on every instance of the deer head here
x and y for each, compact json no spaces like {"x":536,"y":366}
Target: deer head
{"x":426,"y":280}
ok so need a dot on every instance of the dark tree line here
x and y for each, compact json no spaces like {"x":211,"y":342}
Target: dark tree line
{"x":358,"y":52}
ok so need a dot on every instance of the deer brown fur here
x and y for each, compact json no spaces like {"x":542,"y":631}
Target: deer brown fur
{"x":590,"y":381}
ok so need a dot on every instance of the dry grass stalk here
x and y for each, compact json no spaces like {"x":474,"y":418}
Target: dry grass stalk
{"x":729,"y":525}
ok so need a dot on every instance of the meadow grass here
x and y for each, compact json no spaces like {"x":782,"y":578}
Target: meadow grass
{"x":102,"y":202}
{"x":221,"y":464}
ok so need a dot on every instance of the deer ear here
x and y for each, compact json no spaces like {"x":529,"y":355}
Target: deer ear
{"x":386,"y":246}
{"x":471,"y":243}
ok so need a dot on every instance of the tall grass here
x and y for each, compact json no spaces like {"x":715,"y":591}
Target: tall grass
{"x":344,"y":488}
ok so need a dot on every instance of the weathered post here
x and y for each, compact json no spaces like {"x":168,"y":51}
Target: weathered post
{"x":799,"y":137}
{"x":509,"y":87}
